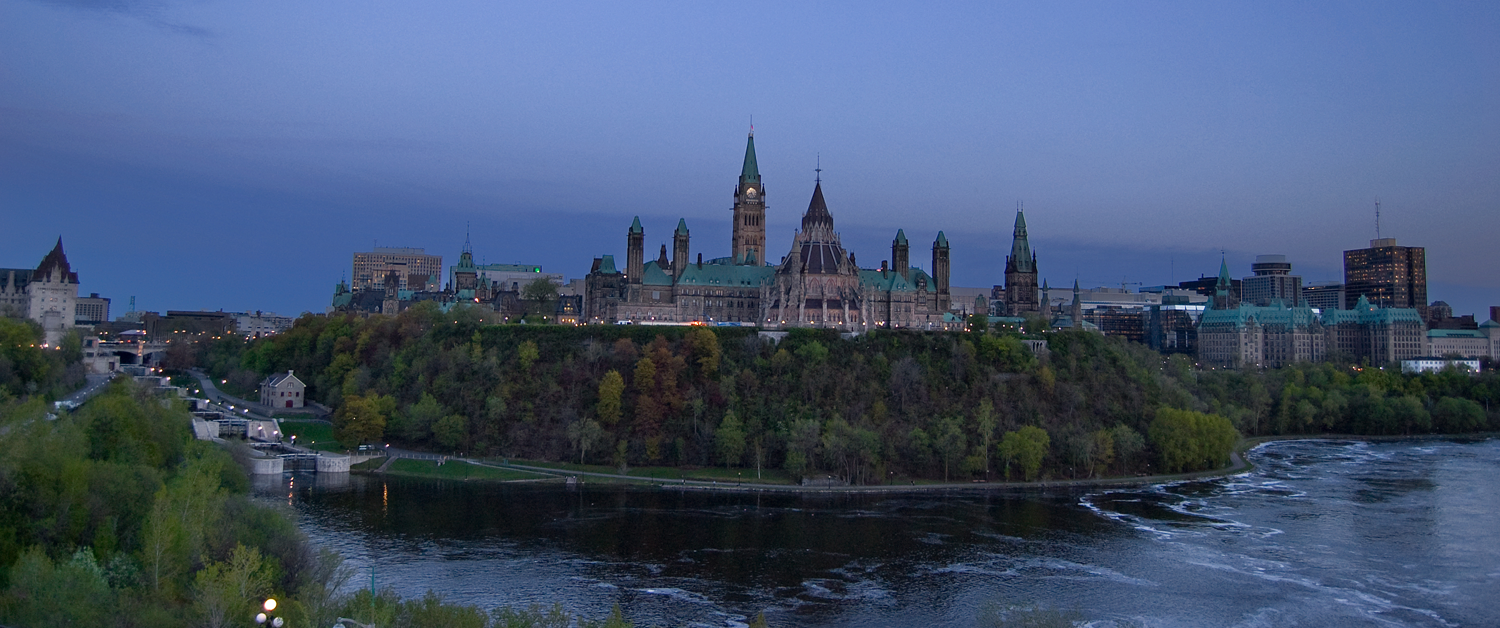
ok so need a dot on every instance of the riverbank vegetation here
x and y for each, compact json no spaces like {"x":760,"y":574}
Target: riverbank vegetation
{"x":113,"y":515}
{"x":881,"y":407}
{"x":28,"y":368}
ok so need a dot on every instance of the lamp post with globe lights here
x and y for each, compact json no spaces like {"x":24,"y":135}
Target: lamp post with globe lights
{"x":266,"y":617}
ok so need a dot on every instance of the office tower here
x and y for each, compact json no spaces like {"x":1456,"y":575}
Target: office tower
{"x":1387,"y":275}
{"x":1273,"y":281}
{"x":415,"y":270}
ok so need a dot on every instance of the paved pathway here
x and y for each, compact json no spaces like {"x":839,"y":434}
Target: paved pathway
{"x":235,"y":405}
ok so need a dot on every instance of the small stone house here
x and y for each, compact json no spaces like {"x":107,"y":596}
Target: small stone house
{"x":283,"y":391}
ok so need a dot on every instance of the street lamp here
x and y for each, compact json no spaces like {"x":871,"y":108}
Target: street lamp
{"x":266,"y":617}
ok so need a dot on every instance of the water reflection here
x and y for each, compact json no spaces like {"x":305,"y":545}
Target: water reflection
{"x":1322,"y":533}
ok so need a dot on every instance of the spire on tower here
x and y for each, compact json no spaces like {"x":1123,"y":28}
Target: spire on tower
{"x":750,"y":172}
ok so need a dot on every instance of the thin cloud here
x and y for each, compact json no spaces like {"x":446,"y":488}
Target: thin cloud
{"x":148,"y":12}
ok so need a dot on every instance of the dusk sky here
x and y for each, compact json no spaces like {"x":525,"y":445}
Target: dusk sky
{"x":233,"y":155}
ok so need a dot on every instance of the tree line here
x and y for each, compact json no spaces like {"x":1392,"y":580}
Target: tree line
{"x":874,"y":408}
{"x":114,"y":515}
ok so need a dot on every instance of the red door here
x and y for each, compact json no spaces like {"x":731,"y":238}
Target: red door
{"x":289,"y":403}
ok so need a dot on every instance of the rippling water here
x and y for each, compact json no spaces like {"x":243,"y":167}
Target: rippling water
{"x":1322,"y":533}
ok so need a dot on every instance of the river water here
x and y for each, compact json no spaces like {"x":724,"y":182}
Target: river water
{"x":1321,"y":533}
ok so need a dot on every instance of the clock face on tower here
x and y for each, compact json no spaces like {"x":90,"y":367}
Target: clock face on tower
{"x":750,"y":192}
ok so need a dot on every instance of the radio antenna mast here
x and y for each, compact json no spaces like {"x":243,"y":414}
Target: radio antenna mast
{"x":1377,"y":219}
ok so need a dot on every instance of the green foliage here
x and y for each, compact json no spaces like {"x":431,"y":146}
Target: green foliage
{"x":730,"y":439}
{"x":1025,"y":448}
{"x":813,"y":403}
{"x":362,"y":419}
{"x":1192,"y":441}
{"x":1454,"y":415}
{"x":611,"y":391}
{"x":28,"y":368}
{"x":68,"y":593}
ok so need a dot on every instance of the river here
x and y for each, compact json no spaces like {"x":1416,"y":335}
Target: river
{"x":1320,"y":533}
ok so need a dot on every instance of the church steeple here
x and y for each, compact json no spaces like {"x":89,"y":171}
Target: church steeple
{"x":749,"y":237}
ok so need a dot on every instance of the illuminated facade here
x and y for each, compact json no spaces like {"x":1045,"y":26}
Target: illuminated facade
{"x":414,"y":268}
{"x":1388,"y":275}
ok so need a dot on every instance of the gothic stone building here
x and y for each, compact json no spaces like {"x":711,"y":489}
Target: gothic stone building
{"x":817,"y":284}
{"x":1019,"y":296}
{"x":47,"y":294}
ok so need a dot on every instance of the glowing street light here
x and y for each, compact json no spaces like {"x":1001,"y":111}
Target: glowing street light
{"x":263,"y":618}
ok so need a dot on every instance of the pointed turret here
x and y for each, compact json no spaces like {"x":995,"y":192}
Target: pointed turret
{"x":635,"y":252}
{"x":817,"y":211}
{"x":1077,"y":308}
{"x":941,"y":270}
{"x":1020,"y":246}
{"x":55,"y":260}
{"x":750,"y":172}
{"x":680,"y":248}
{"x":900,"y":254}
{"x":1224,"y":297}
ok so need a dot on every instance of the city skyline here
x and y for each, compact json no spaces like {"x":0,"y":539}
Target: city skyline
{"x":245,"y":152}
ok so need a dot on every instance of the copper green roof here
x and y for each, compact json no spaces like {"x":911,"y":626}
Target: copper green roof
{"x":607,"y":265}
{"x":750,"y":173}
{"x":654,"y":275}
{"x":892,"y":281}
{"x":725,"y":275}
{"x":1223,"y":272}
{"x":1020,"y":246}
{"x":901,"y":236}
{"x":1455,"y":333}
{"x":942,"y":240}
{"x":682,"y":226}
{"x":635,"y":226}
{"x":1364,"y":313}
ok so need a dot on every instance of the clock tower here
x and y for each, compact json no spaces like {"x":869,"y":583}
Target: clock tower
{"x":749,"y":246}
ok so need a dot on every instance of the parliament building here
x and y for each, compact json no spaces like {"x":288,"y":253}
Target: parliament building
{"x":816,"y":284}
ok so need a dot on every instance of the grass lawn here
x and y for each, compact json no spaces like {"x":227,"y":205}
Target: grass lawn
{"x":368,"y":465}
{"x":457,"y":471}
{"x":719,"y":474}
{"x":313,"y":435}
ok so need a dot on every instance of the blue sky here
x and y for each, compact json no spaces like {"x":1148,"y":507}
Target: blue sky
{"x":232,"y":155}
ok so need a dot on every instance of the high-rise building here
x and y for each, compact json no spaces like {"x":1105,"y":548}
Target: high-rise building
{"x":1387,"y":275}
{"x":414,"y":268}
{"x":91,"y":310}
{"x":1324,"y":295}
{"x":1273,"y":281}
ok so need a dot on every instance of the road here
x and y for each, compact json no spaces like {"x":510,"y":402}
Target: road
{"x":95,"y":385}
{"x":228,"y":403}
